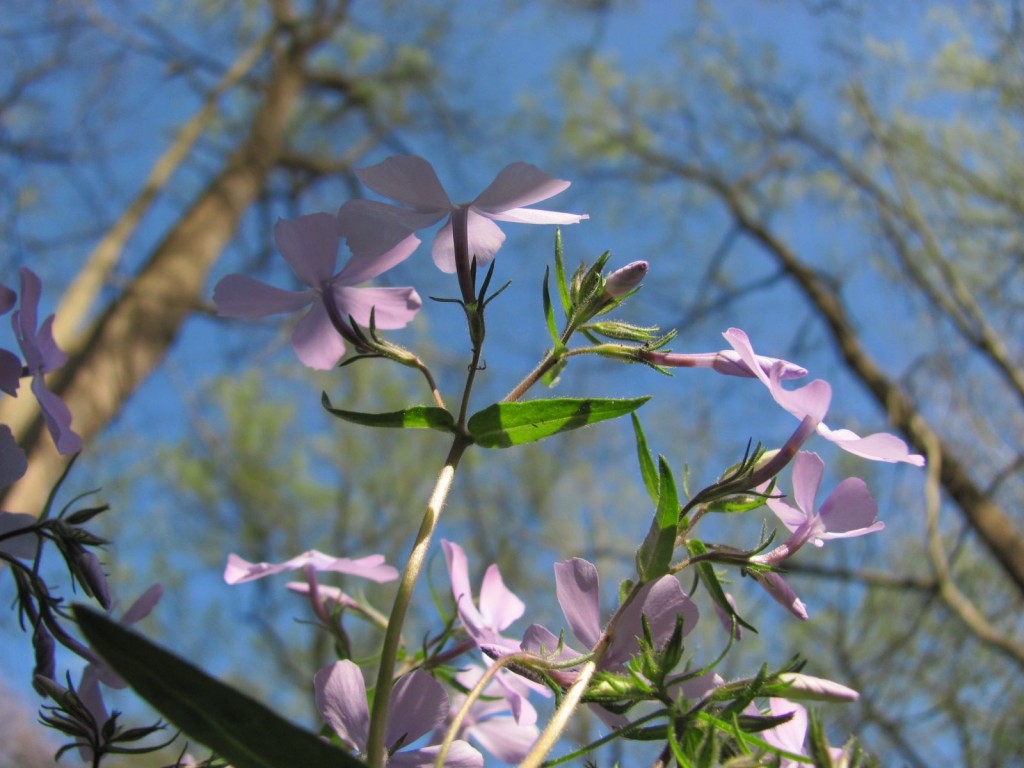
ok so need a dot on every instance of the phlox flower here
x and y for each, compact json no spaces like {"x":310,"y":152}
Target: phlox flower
{"x":497,"y":608}
{"x":10,"y":363}
{"x":881,"y":446}
{"x":489,"y":722}
{"x":372,"y":567}
{"x":726,"y":361}
{"x":411,"y":181}
{"x":310,"y":246}
{"x":42,"y":355}
{"x":790,"y":736}
{"x":418,"y":705}
{"x":849,"y":510}
{"x":578,"y":591}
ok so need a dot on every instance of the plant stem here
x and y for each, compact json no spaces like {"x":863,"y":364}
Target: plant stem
{"x":376,"y":752}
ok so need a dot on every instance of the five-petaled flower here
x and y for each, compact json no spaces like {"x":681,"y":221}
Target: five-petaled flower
{"x":410,"y":180}
{"x":310,"y":246}
{"x":418,"y":706}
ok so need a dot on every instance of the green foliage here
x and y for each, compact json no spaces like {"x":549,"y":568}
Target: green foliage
{"x":416,"y":417}
{"x":503,"y":425}
{"x":239,"y":728}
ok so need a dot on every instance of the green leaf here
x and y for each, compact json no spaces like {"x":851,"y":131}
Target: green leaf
{"x":643,"y":453}
{"x":560,"y":281}
{"x":238,"y":728}
{"x":506,"y":424}
{"x":655,"y":554}
{"x":549,"y":311}
{"x":417,"y":417}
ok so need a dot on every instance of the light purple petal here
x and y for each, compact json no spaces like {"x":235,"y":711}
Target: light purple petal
{"x":316,"y":341}
{"x":498,"y":605}
{"x":782,"y":593}
{"x":360,"y":269}
{"x":485,"y":239}
{"x":660,"y":601}
{"x":407,"y":179}
{"x":10,"y":372}
{"x":460,"y":755}
{"x":371,"y":228}
{"x":418,"y":705}
{"x":881,"y":446}
{"x":24,"y":546}
{"x":850,"y":510}
{"x":310,"y":246}
{"x":458,"y":572}
{"x":57,"y":418}
{"x":394,"y":307}
{"x":790,"y":735}
{"x":537,"y":216}
{"x":808,"y":469}
{"x":504,"y":738}
{"x":241,"y":296}
{"x":24,"y":320}
{"x":516,"y":185}
{"x":371,"y":567}
{"x":578,"y":590}
{"x":53,"y":357}
{"x":92,"y":697}
{"x":340,"y":694}
{"x":143,"y":606}
{"x":730,"y":363}
{"x":12,"y":459}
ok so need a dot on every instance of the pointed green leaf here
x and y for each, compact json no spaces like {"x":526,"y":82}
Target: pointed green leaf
{"x":655,"y":554}
{"x":549,"y":311}
{"x":417,"y":417}
{"x":560,"y":281}
{"x":643,"y":453}
{"x":238,"y":728}
{"x":506,"y":424}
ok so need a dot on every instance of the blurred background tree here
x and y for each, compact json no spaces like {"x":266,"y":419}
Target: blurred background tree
{"x":843,"y":181}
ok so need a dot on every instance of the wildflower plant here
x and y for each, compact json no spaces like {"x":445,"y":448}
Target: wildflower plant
{"x":476,"y":683}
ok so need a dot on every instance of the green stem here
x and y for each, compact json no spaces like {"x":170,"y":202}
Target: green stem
{"x":376,"y":750}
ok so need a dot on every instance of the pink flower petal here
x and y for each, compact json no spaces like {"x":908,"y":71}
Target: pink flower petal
{"x":850,"y":510}
{"x":241,"y":296}
{"x":578,"y":591}
{"x":418,"y":705}
{"x":340,"y":694}
{"x":316,"y":341}
{"x":57,"y":417}
{"x":808,"y":469}
{"x":516,"y":185}
{"x":407,"y":179}
{"x":371,"y":567}
{"x":498,"y":605}
{"x":310,"y":246}
{"x":360,"y":269}
{"x":394,"y":307}
{"x":485,"y":239}
{"x":371,"y":228}
{"x":880,"y":446}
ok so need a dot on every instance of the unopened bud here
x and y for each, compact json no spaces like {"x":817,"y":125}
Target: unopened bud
{"x":806,"y":688}
{"x":622,"y":281}
{"x":43,"y":645}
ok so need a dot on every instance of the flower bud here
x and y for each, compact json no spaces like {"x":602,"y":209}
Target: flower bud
{"x":806,"y":688}
{"x":622,"y":281}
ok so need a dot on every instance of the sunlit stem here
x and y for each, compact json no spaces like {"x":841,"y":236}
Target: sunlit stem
{"x":376,"y":752}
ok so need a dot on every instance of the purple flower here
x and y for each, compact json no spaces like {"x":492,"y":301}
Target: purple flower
{"x":489,"y":722}
{"x":418,"y":705}
{"x":411,"y":180}
{"x":790,"y":736}
{"x":498,"y":606}
{"x":371,"y":567}
{"x":727,"y":362}
{"x":42,"y":355}
{"x":880,"y":446}
{"x":849,"y":510}
{"x":12,"y":467}
{"x":578,"y":592}
{"x":310,"y":246}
